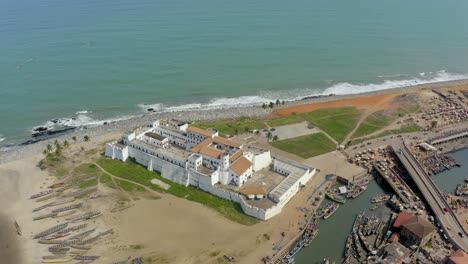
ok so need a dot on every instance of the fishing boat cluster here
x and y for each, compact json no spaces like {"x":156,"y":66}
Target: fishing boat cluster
{"x":387,"y":165}
{"x":72,"y":238}
{"x":368,"y":235}
{"x":438,"y":163}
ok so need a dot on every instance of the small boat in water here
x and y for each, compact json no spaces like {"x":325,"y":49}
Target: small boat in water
{"x":308,"y":240}
{"x":381,"y":198}
{"x":336,"y":198}
{"x":331,"y":210}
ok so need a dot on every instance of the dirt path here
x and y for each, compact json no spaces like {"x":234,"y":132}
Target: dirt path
{"x":363,"y":117}
{"x":113,"y":177}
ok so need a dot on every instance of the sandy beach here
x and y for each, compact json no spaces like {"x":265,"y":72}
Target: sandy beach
{"x":173,"y":230}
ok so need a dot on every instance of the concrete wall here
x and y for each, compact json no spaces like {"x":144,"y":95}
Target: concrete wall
{"x":261,"y":161}
{"x":203,"y":182}
{"x":167,"y":170}
{"x":115,"y":152}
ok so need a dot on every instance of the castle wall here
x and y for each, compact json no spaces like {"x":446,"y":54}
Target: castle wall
{"x":261,"y":161}
{"x":167,"y":170}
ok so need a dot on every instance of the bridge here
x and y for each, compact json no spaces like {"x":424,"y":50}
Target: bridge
{"x":442,"y":211}
{"x":448,"y":138}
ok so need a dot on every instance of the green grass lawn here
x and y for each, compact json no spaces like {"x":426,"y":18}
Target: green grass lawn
{"x":135,"y":172}
{"x":372,"y":123}
{"x":404,"y":129}
{"x":106,"y":180}
{"x":89,"y":183}
{"x":233,"y":126}
{"x":337,"y":122}
{"x":86,"y":169}
{"x":306,"y":146}
{"x":129,"y":187}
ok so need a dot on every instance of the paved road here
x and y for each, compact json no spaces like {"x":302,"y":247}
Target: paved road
{"x":433,"y":197}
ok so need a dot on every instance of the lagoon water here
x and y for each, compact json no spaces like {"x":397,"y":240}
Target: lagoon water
{"x":331,"y":240}
{"x":98,"y":60}
{"x":448,"y":180}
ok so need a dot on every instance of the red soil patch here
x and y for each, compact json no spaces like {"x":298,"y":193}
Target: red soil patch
{"x":376,"y":102}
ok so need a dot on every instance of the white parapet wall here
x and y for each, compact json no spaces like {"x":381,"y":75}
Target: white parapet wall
{"x":116,"y":151}
{"x":168,"y":170}
{"x":261,"y":161}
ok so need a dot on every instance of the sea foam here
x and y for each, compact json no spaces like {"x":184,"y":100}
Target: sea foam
{"x":303,"y":93}
{"x":349,"y":88}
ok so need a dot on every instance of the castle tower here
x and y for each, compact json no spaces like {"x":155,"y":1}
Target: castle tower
{"x":225,"y":162}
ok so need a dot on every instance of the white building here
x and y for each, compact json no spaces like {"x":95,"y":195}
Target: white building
{"x":192,"y":156}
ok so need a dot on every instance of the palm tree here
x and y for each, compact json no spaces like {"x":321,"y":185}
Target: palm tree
{"x":271,"y":104}
{"x":49,"y":148}
{"x":269,"y":135}
{"x":277,"y":102}
{"x":56,"y":143}
{"x":264,"y":106}
{"x":45,"y":152}
{"x":65,"y":144}
{"x":58,"y":151}
{"x":74,"y":138}
{"x":86,"y":138}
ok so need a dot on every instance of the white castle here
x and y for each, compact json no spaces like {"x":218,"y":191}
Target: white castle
{"x":190,"y":155}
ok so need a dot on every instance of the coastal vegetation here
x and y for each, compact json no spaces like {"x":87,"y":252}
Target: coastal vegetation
{"x":336,"y":122}
{"x":137,"y":173}
{"x":374,"y":122}
{"x":402,"y":105}
{"x":409,"y":128}
{"x":306,"y":146}
{"x":90,"y":183}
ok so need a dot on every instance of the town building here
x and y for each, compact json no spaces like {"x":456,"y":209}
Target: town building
{"x":189,"y":155}
{"x":458,"y":257}
{"x":393,"y":253}
{"x":401,"y":219}
{"x":417,"y":231}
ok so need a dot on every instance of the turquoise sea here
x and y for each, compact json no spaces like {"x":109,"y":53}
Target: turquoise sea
{"x":100,"y":60}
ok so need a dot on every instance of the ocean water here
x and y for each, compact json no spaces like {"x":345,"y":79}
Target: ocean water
{"x":101,"y":60}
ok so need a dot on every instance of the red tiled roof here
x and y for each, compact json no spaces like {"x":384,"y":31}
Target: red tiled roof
{"x":200,"y":131}
{"x":236,"y":155}
{"x":254,"y":191}
{"x":202,"y":144}
{"x":211,"y":152}
{"x":227,"y":142}
{"x":241,"y":165}
{"x":401,"y":219}
{"x":419,"y":227}
{"x":459,"y":257}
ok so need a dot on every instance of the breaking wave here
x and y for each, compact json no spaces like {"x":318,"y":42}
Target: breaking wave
{"x":81,"y":120}
{"x":215,"y":103}
{"x":424,"y":78}
{"x":83,"y":112}
{"x":2,"y":138}
{"x":399,"y":81}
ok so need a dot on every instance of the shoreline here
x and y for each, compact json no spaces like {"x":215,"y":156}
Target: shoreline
{"x":21,"y":151}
